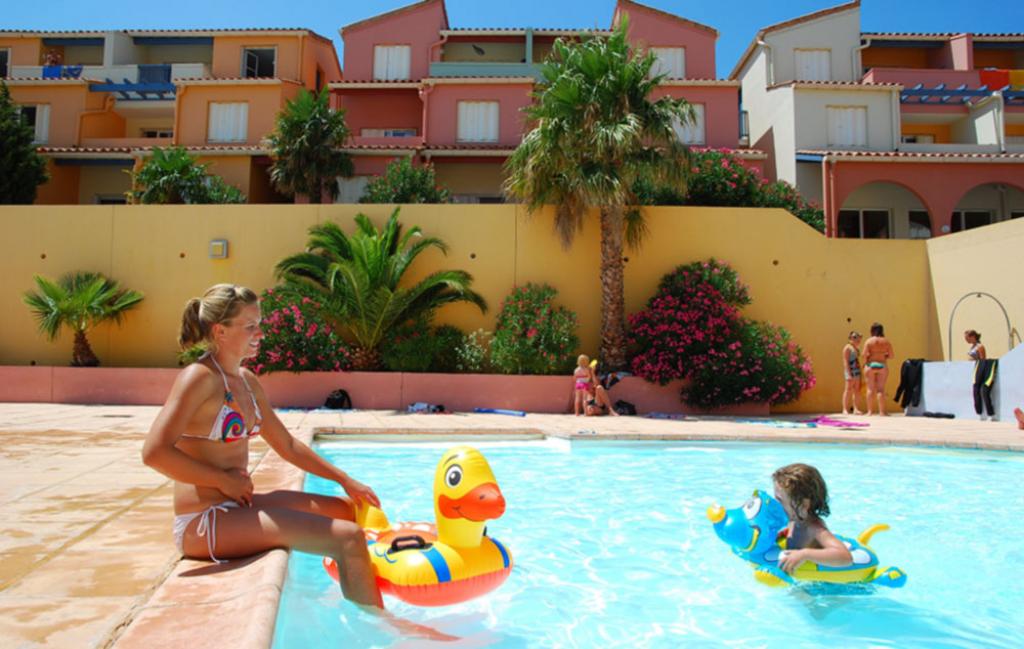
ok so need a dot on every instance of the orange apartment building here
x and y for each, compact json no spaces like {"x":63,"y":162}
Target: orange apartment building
{"x":100,"y":101}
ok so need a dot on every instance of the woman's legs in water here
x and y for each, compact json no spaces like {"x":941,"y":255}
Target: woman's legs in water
{"x":290,"y":519}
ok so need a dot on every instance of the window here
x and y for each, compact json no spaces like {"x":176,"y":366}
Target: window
{"x":258,"y":62}
{"x":692,"y":133}
{"x":813,"y":65}
{"x":390,"y":62}
{"x":920,"y":224}
{"x":156,"y":132}
{"x":670,"y":61}
{"x":228,"y":122}
{"x":848,"y":126}
{"x":478,"y":121}
{"x":387,"y":132}
{"x":970,"y":219}
{"x":864,"y":224}
{"x":917,"y":139}
{"x":5,"y":62}
{"x":37,"y":118}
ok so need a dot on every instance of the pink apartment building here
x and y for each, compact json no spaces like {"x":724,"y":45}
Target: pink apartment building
{"x":415,"y":87}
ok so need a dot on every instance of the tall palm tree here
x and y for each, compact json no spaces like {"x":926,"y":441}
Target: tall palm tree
{"x":595,"y":132}
{"x":79,"y":301}
{"x":359,"y":276}
{"x":306,"y":147}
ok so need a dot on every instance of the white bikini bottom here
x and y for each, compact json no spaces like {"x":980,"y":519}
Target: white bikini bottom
{"x":207,"y":526}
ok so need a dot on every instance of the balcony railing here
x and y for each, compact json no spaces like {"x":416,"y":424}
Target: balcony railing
{"x":489,"y":69}
{"x":131,"y":82}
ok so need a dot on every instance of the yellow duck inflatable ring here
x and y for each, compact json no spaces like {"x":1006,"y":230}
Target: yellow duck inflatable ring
{"x":453,"y":560}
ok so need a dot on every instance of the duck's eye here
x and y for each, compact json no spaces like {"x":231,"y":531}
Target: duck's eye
{"x":454,"y":476}
{"x":752,"y":507}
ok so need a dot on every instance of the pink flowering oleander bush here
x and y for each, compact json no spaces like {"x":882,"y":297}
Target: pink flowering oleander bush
{"x":295,"y":338}
{"x":760,"y":363}
{"x":719,"y":178}
{"x":692,"y":330}
{"x":533,"y":335}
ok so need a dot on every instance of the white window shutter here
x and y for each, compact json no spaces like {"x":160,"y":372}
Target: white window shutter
{"x":813,"y":65}
{"x":692,"y":133}
{"x":228,"y":122}
{"x":478,"y":121}
{"x":391,"y":62}
{"x":670,"y":61}
{"x":848,"y":126}
{"x":42,"y":124}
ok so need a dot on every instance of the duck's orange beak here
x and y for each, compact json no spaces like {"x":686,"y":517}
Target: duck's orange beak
{"x":483,"y":503}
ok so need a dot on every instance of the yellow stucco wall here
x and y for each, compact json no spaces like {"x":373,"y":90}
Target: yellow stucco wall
{"x":817,"y":288}
{"x":981,"y":260}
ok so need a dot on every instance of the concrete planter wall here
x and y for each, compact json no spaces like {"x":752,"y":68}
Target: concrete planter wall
{"x":369,"y":390}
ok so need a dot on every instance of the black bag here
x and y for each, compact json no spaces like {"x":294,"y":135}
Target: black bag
{"x":338,"y":400}
{"x":624,"y":407}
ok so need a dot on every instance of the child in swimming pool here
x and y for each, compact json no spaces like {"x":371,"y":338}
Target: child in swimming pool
{"x":801,"y":491}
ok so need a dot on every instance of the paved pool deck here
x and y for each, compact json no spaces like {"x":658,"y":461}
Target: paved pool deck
{"x":86,"y":556}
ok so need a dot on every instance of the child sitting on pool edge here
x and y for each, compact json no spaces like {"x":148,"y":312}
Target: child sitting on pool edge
{"x":801,"y":491}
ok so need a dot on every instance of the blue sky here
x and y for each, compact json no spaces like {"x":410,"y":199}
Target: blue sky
{"x":735,"y":20}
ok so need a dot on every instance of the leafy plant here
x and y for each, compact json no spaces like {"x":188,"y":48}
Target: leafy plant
{"x":404,"y":183}
{"x":79,"y":301}
{"x":594,"y":132}
{"x":358,"y":280}
{"x":306,"y":147}
{"x":294,"y":338}
{"x":22,"y":170}
{"x":173,"y":176}
{"x":473,"y":354}
{"x":533,"y":335}
{"x":416,"y":347}
{"x":719,"y":178}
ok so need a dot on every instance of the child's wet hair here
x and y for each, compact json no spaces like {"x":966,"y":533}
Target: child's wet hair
{"x":804,"y":482}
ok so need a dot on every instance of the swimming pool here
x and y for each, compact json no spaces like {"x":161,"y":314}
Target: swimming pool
{"x":612,"y":548}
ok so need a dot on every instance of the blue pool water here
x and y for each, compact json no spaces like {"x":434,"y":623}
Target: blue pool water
{"x":612,"y":548}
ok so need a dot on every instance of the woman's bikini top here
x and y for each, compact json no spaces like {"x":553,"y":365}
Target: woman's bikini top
{"x":973,"y":351}
{"x":229,"y":426}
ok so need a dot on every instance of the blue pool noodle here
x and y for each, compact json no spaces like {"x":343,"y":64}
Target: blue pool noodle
{"x":500,"y":411}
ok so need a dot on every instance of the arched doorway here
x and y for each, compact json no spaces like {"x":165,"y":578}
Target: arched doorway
{"x":883,"y":210}
{"x":985,"y":204}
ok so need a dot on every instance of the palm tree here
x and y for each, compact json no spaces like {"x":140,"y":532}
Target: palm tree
{"x":172,"y":176}
{"x":306,"y":147}
{"x":358,"y":277}
{"x":595,"y":133}
{"x":79,"y":301}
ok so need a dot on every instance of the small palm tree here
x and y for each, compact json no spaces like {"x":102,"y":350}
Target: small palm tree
{"x":306,"y":147}
{"x":79,"y":301}
{"x":595,"y":133}
{"x":172,"y":176}
{"x":359,"y":276}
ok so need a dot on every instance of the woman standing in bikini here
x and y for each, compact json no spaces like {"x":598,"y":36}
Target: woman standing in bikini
{"x":200,"y":439}
{"x":877,"y":351}
{"x":851,"y":374}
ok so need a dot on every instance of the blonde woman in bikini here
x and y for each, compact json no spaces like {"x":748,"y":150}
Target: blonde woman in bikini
{"x":877,"y":352}
{"x":851,"y":374}
{"x":200,"y":439}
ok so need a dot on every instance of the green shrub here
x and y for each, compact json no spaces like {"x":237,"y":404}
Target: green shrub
{"x":173,"y":176}
{"x":473,"y":356}
{"x":719,"y":178}
{"x":533,"y":336}
{"x":416,"y":347}
{"x":404,"y":183}
{"x":447,"y":341}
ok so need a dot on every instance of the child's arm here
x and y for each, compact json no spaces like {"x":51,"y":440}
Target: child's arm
{"x":832,"y":553}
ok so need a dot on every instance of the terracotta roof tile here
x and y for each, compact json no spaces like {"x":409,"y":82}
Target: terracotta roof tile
{"x":915,"y":155}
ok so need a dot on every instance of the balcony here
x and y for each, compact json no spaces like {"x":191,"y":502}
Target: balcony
{"x":929,"y":78}
{"x":948,"y":147}
{"x":132,"y":82}
{"x":483,"y":69}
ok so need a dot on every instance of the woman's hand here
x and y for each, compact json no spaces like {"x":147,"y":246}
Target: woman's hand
{"x":357,"y":491}
{"x":790,"y":560}
{"x":237,"y":485}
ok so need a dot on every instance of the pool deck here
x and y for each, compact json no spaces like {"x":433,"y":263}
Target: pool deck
{"x":86,"y":557}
